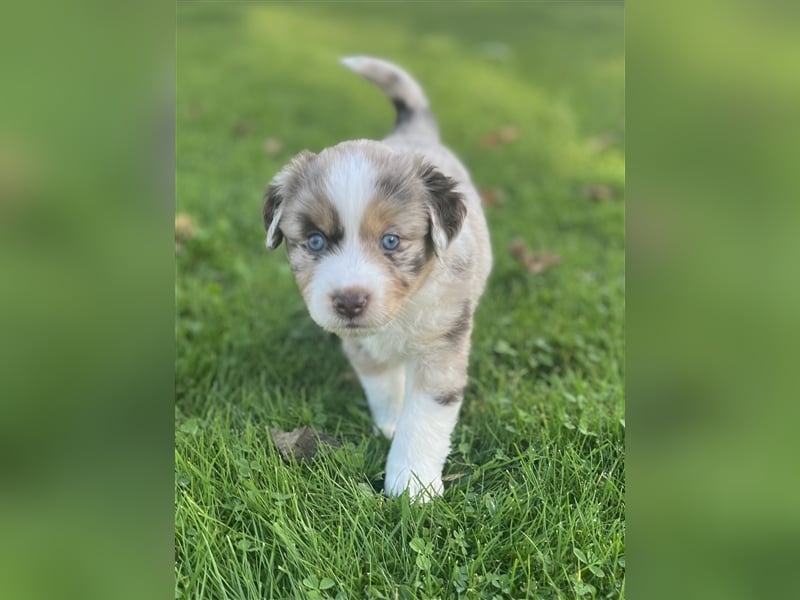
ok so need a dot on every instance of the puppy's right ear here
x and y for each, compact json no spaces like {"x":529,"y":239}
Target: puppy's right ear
{"x":273,"y":207}
{"x":282,"y":185}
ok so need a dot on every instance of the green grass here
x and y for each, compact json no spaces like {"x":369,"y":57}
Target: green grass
{"x":534,"y":505}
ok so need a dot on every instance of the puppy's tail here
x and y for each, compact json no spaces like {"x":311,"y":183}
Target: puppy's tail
{"x":413,"y":111}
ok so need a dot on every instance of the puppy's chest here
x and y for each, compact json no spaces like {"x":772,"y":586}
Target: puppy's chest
{"x":389,"y":346}
{"x":406,"y":337}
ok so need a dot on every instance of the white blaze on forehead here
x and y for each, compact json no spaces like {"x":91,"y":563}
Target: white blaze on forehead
{"x":351,"y":185}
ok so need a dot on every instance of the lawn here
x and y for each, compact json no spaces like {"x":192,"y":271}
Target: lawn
{"x":534,"y":499}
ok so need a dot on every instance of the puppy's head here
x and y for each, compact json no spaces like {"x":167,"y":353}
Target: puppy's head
{"x":362,"y":225}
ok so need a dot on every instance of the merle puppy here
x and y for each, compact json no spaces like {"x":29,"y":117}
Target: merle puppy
{"x":390,"y":250}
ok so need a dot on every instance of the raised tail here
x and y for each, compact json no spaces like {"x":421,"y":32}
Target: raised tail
{"x":413,"y":111}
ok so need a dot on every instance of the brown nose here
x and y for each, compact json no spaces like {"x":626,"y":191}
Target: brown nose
{"x":350,"y":303}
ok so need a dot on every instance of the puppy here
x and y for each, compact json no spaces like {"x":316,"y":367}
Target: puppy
{"x":390,"y":250}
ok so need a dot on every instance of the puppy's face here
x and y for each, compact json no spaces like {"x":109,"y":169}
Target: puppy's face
{"x":362,"y":226}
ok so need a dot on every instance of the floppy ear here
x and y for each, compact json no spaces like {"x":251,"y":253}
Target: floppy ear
{"x":446,"y":206}
{"x":273,"y":208}
{"x":281,"y":185}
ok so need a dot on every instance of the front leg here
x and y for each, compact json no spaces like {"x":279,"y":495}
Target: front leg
{"x":421,"y":444}
{"x":434,"y":391}
{"x":383,"y":384}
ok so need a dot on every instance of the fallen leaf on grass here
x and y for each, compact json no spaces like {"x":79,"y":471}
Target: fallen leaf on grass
{"x":534,"y":263}
{"x":601,"y":142}
{"x":598,"y":192}
{"x":18,"y":178}
{"x":272,"y":146}
{"x":301,"y":444}
{"x":491,"y":196}
{"x":185,"y":229}
{"x":504,"y":135}
{"x":195,"y":111}
{"x":242,"y":129}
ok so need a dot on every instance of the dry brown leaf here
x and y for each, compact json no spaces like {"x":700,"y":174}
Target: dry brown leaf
{"x":508,"y":134}
{"x":18,"y":177}
{"x":504,"y":135}
{"x":538,"y":263}
{"x":185,"y":229}
{"x":533,"y":263}
{"x":272,"y":146}
{"x":242,"y":129}
{"x":301,"y":444}
{"x":195,"y":110}
{"x":491,"y":196}
{"x":598,"y":192}
{"x":601,"y":142}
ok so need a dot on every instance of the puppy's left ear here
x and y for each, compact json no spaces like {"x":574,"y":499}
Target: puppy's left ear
{"x":446,"y":206}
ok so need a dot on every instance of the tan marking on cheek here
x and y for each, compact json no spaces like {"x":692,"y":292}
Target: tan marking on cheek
{"x":303,"y":279}
{"x":401,"y":282}
{"x":412,"y":259}
{"x":405,"y":270}
{"x":395,"y":294}
{"x":303,"y":266}
{"x":390,"y":216}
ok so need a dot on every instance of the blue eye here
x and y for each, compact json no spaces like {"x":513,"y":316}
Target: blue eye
{"x":316,"y":242}
{"x":390,"y":242}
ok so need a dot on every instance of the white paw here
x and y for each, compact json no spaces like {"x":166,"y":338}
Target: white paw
{"x":387,"y":430}
{"x":420,"y":489}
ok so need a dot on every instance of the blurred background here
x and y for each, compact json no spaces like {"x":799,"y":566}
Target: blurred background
{"x":712,"y":96}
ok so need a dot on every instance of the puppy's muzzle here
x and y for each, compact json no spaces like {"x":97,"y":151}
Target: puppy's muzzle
{"x":350,"y":302}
